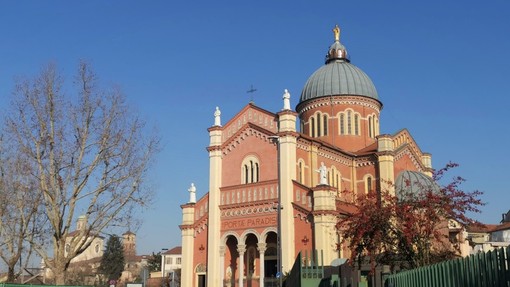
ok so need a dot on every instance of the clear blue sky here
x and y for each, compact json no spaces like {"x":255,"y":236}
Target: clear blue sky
{"x":441,"y":69}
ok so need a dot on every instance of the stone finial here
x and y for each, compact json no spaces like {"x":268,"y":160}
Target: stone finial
{"x":217,"y":119}
{"x":192,"y":193}
{"x":286,"y":100}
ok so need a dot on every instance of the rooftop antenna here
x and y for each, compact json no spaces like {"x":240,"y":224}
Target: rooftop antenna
{"x":251,"y":91}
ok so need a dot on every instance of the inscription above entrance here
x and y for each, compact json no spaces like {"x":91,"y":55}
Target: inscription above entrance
{"x":243,"y":223}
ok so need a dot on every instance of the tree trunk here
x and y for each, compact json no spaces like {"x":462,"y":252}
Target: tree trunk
{"x":60,"y":274}
{"x":10,"y":275}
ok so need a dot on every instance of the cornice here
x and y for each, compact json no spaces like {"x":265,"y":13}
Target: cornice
{"x":287,"y":112}
{"x":189,"y":204}
{"x":213,"y":148}
{"x":235,"y":210}
{"x":324,"y":212}
{"x":186,"y":226}
{"x":215,"y":128}
{"x":351,"y":100}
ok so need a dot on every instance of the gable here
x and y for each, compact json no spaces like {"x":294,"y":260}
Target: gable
{"x":253,"y":115}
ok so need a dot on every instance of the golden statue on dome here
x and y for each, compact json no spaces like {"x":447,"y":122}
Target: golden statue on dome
{"x":336,"y":30}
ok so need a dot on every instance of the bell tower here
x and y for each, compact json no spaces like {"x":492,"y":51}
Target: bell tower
{"x":129,"y":243}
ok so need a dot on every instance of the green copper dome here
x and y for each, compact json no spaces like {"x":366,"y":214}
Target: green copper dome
{"x":413,"y":183}
{"x":338,"y":76}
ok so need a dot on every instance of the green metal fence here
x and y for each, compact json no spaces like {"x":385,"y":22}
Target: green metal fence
{"x":307,"y":271}
{"x":36,"y":285}
{"x":482,"y":269}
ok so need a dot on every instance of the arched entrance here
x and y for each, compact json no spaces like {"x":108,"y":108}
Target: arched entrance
{"x":249,"y":259}
{"x":270,"y":258}
{"x":231,"y":265}
{"x":252,"y":260}
{"x":201,"y":271}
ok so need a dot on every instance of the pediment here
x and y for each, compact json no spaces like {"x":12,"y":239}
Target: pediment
{"x":249,"y":116}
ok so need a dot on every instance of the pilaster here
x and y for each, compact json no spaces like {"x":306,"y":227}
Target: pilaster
{"x":287,"y":142}
{"x":187,"y":241}
{"x":426,"y":160}
{"x":385,"y":153}
{"x":213,"y":235}
{"x":324,"y":220}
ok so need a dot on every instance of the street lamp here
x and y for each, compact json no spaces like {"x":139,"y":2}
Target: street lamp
{"x":276,"y":139}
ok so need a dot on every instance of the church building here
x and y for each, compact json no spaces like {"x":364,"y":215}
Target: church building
{"x":288,"y":176}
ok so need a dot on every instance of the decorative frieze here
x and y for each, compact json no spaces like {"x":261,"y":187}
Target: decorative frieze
{"x":340,"y":100}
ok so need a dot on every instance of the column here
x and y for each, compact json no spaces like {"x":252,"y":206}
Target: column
{"x":241,"y":249}
{"x":262,"y":249}
{"x":222,"y":264}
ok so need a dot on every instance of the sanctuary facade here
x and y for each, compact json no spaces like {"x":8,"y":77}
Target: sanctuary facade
{"x":271,"y":182}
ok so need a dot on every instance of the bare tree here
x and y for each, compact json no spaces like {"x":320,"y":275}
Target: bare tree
{"x":90,"y":154}
{"x":20,"y":211}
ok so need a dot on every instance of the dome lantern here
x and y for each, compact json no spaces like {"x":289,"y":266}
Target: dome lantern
{"x":337,"y":51}
{"x":338,"y":77}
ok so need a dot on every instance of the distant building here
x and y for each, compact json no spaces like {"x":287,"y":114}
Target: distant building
{"x":487,"y":237}
{"x":171,"y":260}
{"x":84,"y":267}
{"x":171,"y":266}
{"x":259,"y":158}
{"x":133,"y":263}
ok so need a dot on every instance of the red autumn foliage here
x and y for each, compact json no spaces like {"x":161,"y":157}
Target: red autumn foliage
{"x":408,"y":229}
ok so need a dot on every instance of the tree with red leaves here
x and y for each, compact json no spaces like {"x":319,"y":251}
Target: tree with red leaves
{"x":408,"y":227}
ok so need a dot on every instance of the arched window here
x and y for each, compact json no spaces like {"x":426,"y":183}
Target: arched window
{"x":342,"y":124}
{"x":250,"y":170}
{"x":356,"y":124}
{"x":319,"y":130}
{"x":373,"y":126}
{"x":376,"y":126}
{"x":349,"y":123}
{"x":368,"y":184}
{"x":325,"y":125}
{"x":370,"y":127}
{"x":246,"y":173}
{"x":301,"y":171}
{"x":312,"y":127}
{"x":334,"y":178}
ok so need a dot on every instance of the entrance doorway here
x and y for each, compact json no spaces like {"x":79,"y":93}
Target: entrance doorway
{"x":270,"y":268}
{"x":201,"y":281}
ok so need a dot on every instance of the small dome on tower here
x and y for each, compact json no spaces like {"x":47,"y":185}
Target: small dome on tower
{"x":338,"y":76}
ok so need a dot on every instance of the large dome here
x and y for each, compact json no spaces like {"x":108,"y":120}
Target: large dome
{"x":338,"y":76}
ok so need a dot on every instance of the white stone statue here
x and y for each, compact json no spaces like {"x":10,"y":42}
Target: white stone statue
{"x":323,"y":174}
{"x":217,"y":119}
{"x":192,"y":193}
{"x":286,"y":100}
